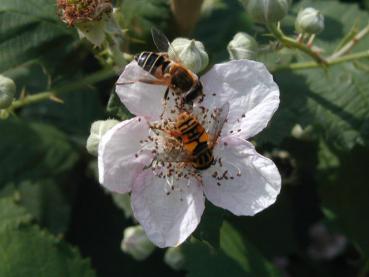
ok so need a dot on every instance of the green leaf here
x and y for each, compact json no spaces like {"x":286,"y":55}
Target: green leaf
{"x":33,"y":150}
{"x":344,"y":191}
{"x":116,"y":109}
{"x":28,"y":29}
{"x":236,"y":257}
{"x":246,"y":255}
{"x":215,"y":33}
{"x":12,"y":215}
{"x":141,"y":15}
{"x":44,"y":201}
{"x":209,"y":227}
{"x":334,"y":101}
{"x":28,"y":251}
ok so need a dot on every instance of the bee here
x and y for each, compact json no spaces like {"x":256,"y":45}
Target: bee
{"x":192,"y":143}
{"x":167,"y":72}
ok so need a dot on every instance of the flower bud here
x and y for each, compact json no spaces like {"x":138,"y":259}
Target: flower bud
{"x":191,"y":53}
{"x":309,"y":21}
{"x":174,"y":258}
{"x":7,"y":91}
{"x":98,"y":129}
{"x":266,"y":11}
{"x":304,"y":134}
{"x":136,"y":243}
{"x":242,"y":46}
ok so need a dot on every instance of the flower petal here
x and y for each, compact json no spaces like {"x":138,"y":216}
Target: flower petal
{"x":250,"y":90}
{"x":118,"y":165}
{"x":168,"y":218}
{"x":245,"y":183}
{"x":140,"y":98}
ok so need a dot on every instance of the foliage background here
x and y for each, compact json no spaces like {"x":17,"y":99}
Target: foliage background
{"x":56,"y":220}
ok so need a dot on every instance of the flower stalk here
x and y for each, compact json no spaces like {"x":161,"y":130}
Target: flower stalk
{"x":51,"y":94}
{"x":329,"y":62}
{"x":292,"y":43}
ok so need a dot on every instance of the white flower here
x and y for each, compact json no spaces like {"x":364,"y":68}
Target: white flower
{"x":168,"y":201}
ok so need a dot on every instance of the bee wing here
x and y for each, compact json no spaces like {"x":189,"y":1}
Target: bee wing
{"x":219,"y":116}
{"x":162,"y":43}
{"x":174,"y":155}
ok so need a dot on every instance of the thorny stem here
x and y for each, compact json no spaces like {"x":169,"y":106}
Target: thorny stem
{"x":348,"y":46}
{"x":47,"y":95}
{"x":292,"y":43}
{"x":329,"y":62}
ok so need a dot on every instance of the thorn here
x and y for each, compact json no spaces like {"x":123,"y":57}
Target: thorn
{"x":56,"y":99}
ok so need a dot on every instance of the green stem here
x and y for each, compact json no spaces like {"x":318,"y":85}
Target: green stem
{"x":329,"y":62}
{"x":292,"y":43}
{"x":46,"y":95}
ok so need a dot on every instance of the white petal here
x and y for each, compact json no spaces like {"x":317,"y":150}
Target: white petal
{"x":250,"y":90}
{"x":168,"y":219}
{"x":140,"y":98}
{"x":252,"y":190}
{"x":118,"y":165}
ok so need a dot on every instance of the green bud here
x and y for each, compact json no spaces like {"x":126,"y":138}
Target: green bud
{"x":136,"y":243}
{"x":242,"y":46}
{"x":303,"y":134}
{"x":309,"y":21}
{"x":98,"y":129}
{"x":191,"y":53}
{"x":174,"y":258}
{"x":266,"y":11}
{"x":7,"y":91}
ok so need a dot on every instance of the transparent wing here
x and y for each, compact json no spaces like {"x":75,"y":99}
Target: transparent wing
{"x":162,"y":43}
{"x":218,"y":116}
{"x":174,"y":155}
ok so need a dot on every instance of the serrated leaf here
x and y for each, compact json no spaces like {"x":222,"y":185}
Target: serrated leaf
{"x":33,"y":150}
{"x":28,"y":251}
{"x":12,"y":215}
{"x":334,"y":101}
{"x":44,"y":201}
{"x":27,"y":29}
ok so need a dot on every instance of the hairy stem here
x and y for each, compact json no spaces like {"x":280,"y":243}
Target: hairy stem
{"x":186,"y":13}
{"x":53,"y":93}
{"x":292,"y":43}
{"x":338,"y":60}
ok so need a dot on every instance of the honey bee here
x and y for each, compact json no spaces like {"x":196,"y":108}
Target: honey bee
{"x":195,"y":143}
{"x":167,"y":72}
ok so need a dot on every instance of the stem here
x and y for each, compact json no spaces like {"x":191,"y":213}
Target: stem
{"x":348,"y":46}
{"x":291,"y":43}
{"x":46,"y":95}
{"x":338,"y":60}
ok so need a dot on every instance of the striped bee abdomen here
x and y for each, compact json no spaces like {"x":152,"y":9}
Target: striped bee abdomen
{"x":150,"y":61}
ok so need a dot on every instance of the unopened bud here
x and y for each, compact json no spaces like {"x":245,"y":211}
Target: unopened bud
{"x":266,"y":11}
{"x":309,"y":21}
{"x":7,"y":91}
{"x":242,"y":46}
{"x":174,"y":258}
{"x":303,"y":134}
{"x":98,"y":129}
{"x":190,"y":52}
{"x":136,"y":243}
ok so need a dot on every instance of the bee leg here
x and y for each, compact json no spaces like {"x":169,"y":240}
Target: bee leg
{"x":165,"y":99}
{"x":146,"y":81}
